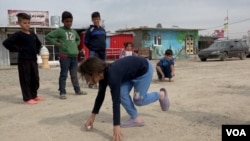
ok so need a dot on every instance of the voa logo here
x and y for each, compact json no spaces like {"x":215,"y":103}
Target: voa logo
{"x":236,"y":132}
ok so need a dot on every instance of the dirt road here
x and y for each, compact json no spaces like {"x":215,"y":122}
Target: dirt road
{"x":203,"y":96}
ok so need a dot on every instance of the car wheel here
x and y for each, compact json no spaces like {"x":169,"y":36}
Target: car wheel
{"x":223,"y":56}
{"x":242,"y":55}
{"x":203,"y":59}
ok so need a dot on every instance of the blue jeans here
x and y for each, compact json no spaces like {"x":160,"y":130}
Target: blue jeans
{"x":141,"y":85}
{"x":99,"y":54}
{"x":68,"y":64}
{"x":91,"y":53}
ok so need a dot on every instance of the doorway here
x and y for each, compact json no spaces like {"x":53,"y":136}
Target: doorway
{"x":189,"y":44}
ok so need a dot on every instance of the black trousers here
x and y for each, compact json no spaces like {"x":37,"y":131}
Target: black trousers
{"x":167,"y":74}
{"x":29,"y":79}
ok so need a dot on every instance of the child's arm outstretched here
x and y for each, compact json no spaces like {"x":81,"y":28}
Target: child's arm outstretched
{"x":98,"y":103}
{"x":158,"y":68}
{"x":89,"y":123}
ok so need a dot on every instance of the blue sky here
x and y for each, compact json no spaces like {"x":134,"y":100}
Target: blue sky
{"x":120,"y":14}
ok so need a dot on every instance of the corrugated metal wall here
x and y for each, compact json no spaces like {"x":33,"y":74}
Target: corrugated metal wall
{"x":117,"y":41}
{"x":4,"y":53}
{"x":138,"y":39}
{"x":112,"y":41}
{"x":82,"y":45}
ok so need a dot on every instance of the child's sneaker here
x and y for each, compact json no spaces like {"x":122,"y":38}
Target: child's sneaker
{"x":164,"y":103}
{"x":93,"y":86}
{"x":39,"y":98}
{"x":81,"y":93}
{"x":90,"y":85}
{"x":63,"y":96}
{"x":31,"y":102}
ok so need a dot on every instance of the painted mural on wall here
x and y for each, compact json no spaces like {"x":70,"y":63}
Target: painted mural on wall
{"x":179,"y":41}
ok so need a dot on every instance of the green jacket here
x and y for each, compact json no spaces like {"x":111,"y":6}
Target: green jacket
{"x":66,"y":39}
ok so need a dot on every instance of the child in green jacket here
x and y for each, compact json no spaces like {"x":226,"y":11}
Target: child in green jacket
{"x":67,"y":40}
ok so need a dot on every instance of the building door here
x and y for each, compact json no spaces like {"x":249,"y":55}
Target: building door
{"x":189,"y":44}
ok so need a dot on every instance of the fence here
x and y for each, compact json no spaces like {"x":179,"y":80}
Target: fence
{"x":113,"y":53}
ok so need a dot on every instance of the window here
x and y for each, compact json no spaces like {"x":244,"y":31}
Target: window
{"x":242,"y":44}
{"x":157,"y":39}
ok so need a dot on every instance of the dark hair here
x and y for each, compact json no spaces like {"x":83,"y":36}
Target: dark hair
{"x":169,"y":52}
{"x":66,"y":15}
{"x":23,"y":16}
{"x":91,"y":66}
{"x":95,"y":15}
{"x":128,"y":43}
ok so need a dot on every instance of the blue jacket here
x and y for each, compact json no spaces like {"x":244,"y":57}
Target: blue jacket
{"x":166,"y":65}
{"x":95,"y":38}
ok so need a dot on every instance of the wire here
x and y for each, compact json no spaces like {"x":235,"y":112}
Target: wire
{"x":244,"y":20}
{"x":240,"y":21}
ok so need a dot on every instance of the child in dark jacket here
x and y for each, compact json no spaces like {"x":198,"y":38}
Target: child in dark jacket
{"x":27,"y":44}
{"x":95,"y":37}
{"x":165,"y":66}
{"x":95,"y":40}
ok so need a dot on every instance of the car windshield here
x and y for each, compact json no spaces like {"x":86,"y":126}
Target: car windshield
{"x":219,"y":44}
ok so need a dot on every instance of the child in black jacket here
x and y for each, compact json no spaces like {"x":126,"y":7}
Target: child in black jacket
{"x":27,"y":44}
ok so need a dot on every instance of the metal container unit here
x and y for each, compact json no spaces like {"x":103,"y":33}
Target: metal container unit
{"x":113,"y":41}
{"x":118,"y":40}
{"x":116,"y":44}
{"x":82,"y":46}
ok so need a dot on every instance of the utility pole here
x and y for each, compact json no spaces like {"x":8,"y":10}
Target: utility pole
{"x":227,"y":26}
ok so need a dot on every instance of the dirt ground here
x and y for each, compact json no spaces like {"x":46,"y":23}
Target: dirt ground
{"x":203,"y":96}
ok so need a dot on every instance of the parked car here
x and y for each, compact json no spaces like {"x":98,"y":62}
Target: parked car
{"x":225,"y":49}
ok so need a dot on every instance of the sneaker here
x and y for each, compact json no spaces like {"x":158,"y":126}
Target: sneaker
{"x":132,"y":123}
{"x":164,"y":103}
{"x":81,"y":93}
{"x":31,"y":102}
{"x":171,"y":80}
{"x":39,"y":98}
{"x":93,"y":86}
{"x":63,"y":96}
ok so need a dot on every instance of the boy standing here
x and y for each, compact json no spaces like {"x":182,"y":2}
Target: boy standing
{"x":165,"y":67}
{"x":27,"y":44}
{"x":67,"y":40}
{"x":95,"y":39}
